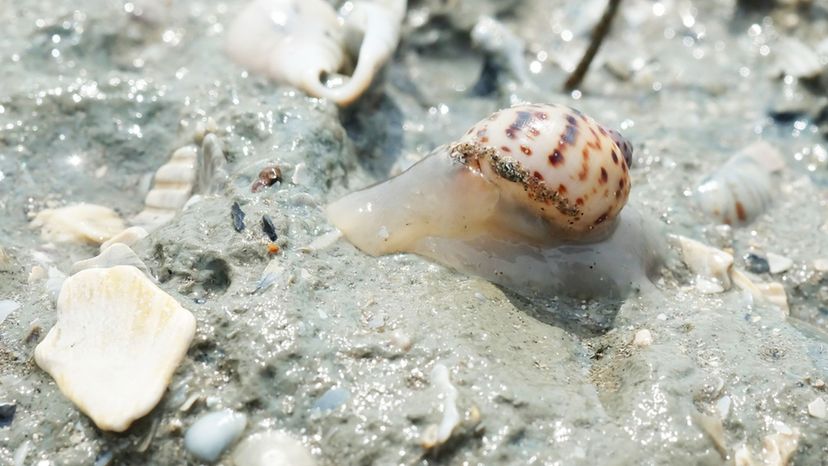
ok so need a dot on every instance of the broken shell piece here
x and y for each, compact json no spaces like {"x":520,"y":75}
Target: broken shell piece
{"x":710,"y":265}
{"x":818,"y":408}
{"x":116,"y":343}
{"x":642,"y":338}
{"x":796,"y":59}
{"x":777,"y":263}
{"x":172,"y":187}
{"x":79,"y":223}
{"x":779,"y":447}
{"x":299,"y":43}
{"x":271,"y":448}
{"x":773,"y":292}
{"x":117,"y":254}
{"x":742,"y":188}
{"x":436,"y":435}
{"x":128,"y":237}
{"x":189,"y":171}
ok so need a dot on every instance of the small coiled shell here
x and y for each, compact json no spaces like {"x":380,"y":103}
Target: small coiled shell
{"x":555,"y":161}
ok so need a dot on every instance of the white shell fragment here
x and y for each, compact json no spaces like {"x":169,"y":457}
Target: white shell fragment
{"x":436,"y":435}
{"x":777,"y":263}
{"x":818,"y":408}
{"x":299,"y":43}
{"x":779,"y":447}
{"x":116,"y":343}
{"x":271,"y":448}
{"x":79,"y":223}
{"x":7,"y":306}
{"x":128,"y":237}
{"x":772,"y":292}
{"x":117,"y":254}
{"x":742,"y":188}
{"x":212,"y":433}
{"x":796,"y":59}
{"x":710,"y":265}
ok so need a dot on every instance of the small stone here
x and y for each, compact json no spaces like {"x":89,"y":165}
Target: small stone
{"x":778,"y":264}
{"x":212,"y":433}
{"x":238,"y":217}
{"x":269,"y":176}
{"x":332,"y":399}
{"x":643,"y":337}
{"x":269,"y":228}
{"x":755,"y":263}
{"x":818,"y":408}
{"x":7,"y":411}
{"x":37,"y":273}
{"x":271,"y":448}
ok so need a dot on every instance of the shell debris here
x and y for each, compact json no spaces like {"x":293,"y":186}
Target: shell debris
{"x":78,"y":223}
{"x":711,"y":266}
{"x":117,"y":254}
{"x":436,"y":435}
{"x":128,"y":237}
{"x":213,"y":433}
{"x":271,"y":448}
{"x":117,"y":341}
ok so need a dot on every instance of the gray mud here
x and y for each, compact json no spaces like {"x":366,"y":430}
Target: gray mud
{"x":85,"y":85}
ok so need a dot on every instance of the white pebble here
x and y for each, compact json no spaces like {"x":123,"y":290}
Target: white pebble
{"x":213,"y":433}
{"x":643,"y":337}
{"x":777,"y":263}
{"x":37,"y":273}
{"x":271,"y":448}
{"x":818,"y":408}
{"x":436,"y":435}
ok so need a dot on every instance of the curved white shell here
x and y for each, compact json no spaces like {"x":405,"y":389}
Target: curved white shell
{"x":116,"y":343}
{"x":299,"y":42}
{"x":742,"y":188}
{"x":79,"y":223}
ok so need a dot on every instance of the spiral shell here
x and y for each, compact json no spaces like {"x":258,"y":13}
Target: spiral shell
{"x":554,"y":160}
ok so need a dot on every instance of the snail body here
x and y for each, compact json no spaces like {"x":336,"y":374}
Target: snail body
{"x":527,"y":198}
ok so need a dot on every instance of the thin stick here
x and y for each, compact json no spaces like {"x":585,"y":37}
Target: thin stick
{"x":598,"y":35}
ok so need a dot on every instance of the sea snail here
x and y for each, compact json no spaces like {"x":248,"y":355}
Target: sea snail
{"x":530,"y":198}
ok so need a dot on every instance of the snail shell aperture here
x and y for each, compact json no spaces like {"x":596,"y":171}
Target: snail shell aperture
{"x":530,"y":197}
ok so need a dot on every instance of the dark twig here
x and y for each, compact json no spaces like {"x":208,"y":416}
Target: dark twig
{"x":598,"y":34}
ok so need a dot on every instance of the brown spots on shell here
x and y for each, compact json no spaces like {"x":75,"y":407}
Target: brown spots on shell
{"x":740,"y":212}
{"x":614,"y":158}
{"x":526,"y":150}
{"x":505,"y":149}
{"x":621,"y":183}
{"x":596,"y":142}
{"x":584,"y":171}
{"x":537,"y":175}
{"x":602,"y":218}
{"x":556,"y":158}
{"x":579,"y":201}
{"x":484,"y":139}
{"x":561,"y":190}
{"x":511,"y":132}
{"x":604,"y":176}
{"x":602,"y":130}
{"x":541,"y":115}
{"x":585,"y":153}
{"x":534,"y":132}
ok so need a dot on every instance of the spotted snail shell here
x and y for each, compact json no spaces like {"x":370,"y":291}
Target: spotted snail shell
{"x":554,"y":160}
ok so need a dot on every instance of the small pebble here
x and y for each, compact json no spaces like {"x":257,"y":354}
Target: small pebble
{"x":818,"y":408}
{"x":268,"y":228}
{"x":777,"y":263}
{"x":212,"y":433}
{"x":271,"y":448}
{"x":643,"y":337}
{"x":755,"y":263}
{"x":7,"y":411}
{"x":238,"y":217}
{"x":332,"y":399}
{"x":267,"y":177}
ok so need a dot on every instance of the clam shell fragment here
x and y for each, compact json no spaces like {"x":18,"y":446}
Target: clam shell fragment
{"x":79,"y":223}
{"x":116,"y":343}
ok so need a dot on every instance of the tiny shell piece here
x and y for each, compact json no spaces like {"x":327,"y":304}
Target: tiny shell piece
{"x":707,"y":262}
{"x":818,"y":408}
{"x":777,"y":263}
{"x":267,"y":177}
{"x":128,"y":237}
{"x":643,"y":337}
{"x":116,"y":343}
{"x":117,"y":254}
{"x":79,"y":223}
{"x":437,"y":435}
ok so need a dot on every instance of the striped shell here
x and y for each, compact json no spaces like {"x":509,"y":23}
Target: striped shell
{"x":554,"y":160}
